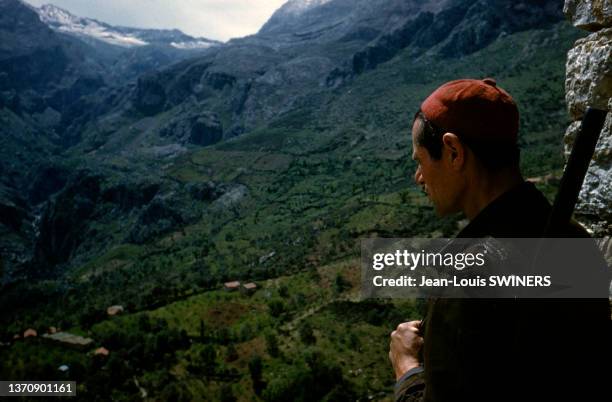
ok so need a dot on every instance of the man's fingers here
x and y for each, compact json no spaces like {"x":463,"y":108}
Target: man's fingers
{"x":405,"y":335}
{"x":420,"y":341}
{"x":410,"y":325}
{"x":414,"y":323}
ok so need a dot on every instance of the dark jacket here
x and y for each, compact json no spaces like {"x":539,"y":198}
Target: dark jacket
{"x":513,"y":349}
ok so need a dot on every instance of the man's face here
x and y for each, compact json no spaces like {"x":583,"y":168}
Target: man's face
{"x":438,"y":180}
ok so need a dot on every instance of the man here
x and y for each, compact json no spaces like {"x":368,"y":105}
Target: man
{"x":464,"y":140}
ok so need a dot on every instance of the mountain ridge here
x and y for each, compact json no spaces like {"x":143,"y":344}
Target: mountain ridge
{"x":62,"y":20}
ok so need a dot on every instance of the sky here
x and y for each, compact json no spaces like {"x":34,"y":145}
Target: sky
{"x":212,"y":19}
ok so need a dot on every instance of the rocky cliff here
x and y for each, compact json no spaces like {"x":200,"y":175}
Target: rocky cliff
{"x":589,"y":83}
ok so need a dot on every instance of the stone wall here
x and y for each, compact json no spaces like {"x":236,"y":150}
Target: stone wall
{"x":589,"y":83}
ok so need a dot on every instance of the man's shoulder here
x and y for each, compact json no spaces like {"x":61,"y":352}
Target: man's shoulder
{"x":521,"y":212}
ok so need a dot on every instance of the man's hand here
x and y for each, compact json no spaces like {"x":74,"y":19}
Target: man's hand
{"x":406,"y":342}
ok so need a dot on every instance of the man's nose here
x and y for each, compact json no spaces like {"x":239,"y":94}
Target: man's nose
{"x":418,"y":177}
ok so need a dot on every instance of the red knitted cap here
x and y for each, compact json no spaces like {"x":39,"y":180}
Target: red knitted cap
{"x":476,"y":110}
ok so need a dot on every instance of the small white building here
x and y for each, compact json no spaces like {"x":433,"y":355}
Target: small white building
{"x":249,"y":288}
{"x":101,"y":351}
{"x":114,"y":310}
{"x":231,"y":286}
{"x":30,"y":333}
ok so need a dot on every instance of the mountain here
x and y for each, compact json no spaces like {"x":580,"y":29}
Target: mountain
{"x":266,"y":158}
{"x":344,"y":19}
{"x":50,"y":59}
{"x":49,"y":80}
{"x":41,"y":75}
{"x":32,"y":55}
{"x":325,"y":45}
{"x":86,"y":28}
{"x":126,"y":52}
{"x":42,"y":51}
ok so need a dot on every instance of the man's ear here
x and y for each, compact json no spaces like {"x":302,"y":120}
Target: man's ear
{"x":454,"y":150}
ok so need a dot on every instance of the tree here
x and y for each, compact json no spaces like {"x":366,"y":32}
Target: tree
{"x":298,"y":300}
{"x":202,"y":329}
{"x":226,"y":393}
{"x":272,"y":344}
{"x":341,"y":284}
{"x":90,"y":317}
{"x":176,"y":392}
{"x":307,"y":334}
{"x":256,"y":371}
{"x":277,"y":307}
{"x":245,"y":332}
{"x":223,"y":335}
{"x":230,"y":353}
{"x":116,"y":366}
{"x":353,"y":341}
{"x":144,"y":325}
{"x":283,"y":291}
{"x":255,"y":367}
{"x":208,"y":357}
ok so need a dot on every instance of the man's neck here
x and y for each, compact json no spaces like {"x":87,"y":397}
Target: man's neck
{"x":484,"y":189}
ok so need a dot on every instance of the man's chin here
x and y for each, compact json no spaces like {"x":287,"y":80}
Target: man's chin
{"x":441,"y":212}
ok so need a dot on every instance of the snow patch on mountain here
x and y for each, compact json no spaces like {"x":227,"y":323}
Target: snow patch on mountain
{"x":192,"y":45}
{"x":300,"y":6}
{"x":61,"y":20}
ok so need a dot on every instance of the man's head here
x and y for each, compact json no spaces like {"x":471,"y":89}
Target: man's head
{"x":464,"y":134}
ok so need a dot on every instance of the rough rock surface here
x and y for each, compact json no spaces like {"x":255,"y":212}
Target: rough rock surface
{"x":589,"y":73}
{"x":150,"y":96}
{"x":200,"y":128}
{"x":231,"y":197}
{"x":64,"y":220}
{"x":589,"y":14}
{"x":204,"y":191}
{"x":589,"y":83}
{"x":596,"y":193}
{"x":160,"y":216}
